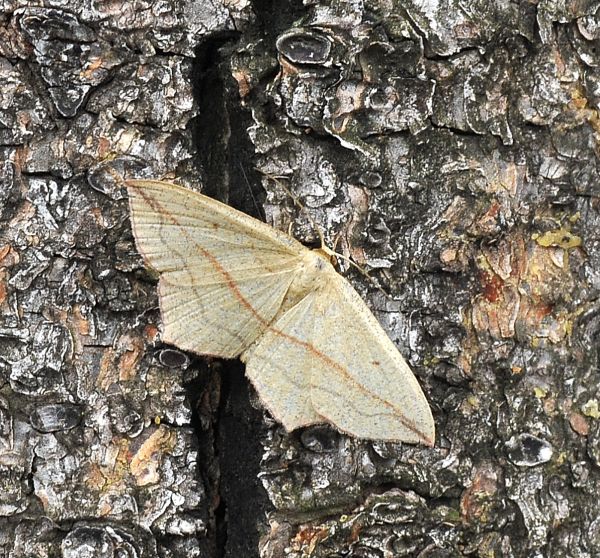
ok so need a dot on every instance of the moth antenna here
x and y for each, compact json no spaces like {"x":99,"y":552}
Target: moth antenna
{"x":359,"y":268}
{"x":300,"y":205}
{"x":259,"y":210}
{"x":331,"y":253}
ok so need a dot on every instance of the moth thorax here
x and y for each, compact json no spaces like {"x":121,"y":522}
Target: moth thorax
{"x":310,"y":277}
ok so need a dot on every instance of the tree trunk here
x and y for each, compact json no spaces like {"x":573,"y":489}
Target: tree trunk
{"x":448,"y":148}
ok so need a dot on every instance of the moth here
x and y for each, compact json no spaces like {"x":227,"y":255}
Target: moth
{"x":231,"y":286}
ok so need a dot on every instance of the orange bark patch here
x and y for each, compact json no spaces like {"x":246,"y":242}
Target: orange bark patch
{"x":8,"y":256}
{"x":120,"y":363}
{"x":4,"y":250}
{"x":491,"y":286}
{"x":130,"y":349}
{"x":243,"y":80}
{"x":145,"y":463}
{"x":307,"y":538}
{"x":3,"y":286}
{"x":579,"y":424}
{"x":94,"y":477}
{"x":521,"y":282}
{"x":151,"y":333}
{"x":107,"y":373}
{"x":477,"y":499}
{"x":81,"y":323}
{"x":498,"y":315}
{"x":104,"y":147}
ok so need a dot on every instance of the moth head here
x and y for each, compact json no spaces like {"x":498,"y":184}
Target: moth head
{"x":333,"y":258}
{"x":326,"y":253}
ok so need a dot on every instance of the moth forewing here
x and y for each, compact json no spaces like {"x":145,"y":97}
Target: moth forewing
{"x":222,"y":277}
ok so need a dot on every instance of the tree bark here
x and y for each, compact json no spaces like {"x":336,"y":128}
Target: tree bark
{"x":448,"y":148}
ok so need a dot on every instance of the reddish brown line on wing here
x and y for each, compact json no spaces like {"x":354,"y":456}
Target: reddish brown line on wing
{"x":267,"y":325}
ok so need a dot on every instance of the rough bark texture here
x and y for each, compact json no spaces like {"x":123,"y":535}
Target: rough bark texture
{"x":450,"y":148}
